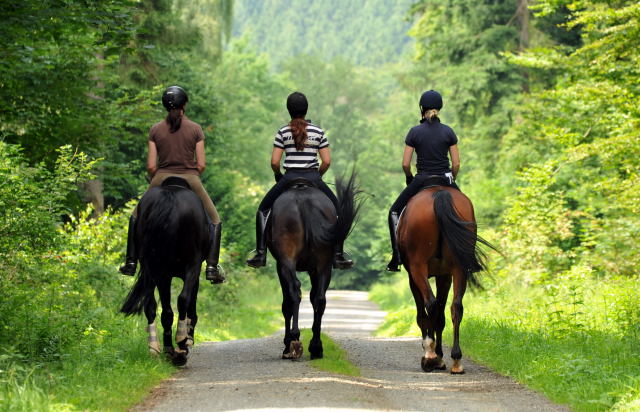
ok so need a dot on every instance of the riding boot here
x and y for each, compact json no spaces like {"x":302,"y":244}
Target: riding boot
{"x":260,"y":258}
{"x":129,"y":267}
{"x":339,"y":260}
{"x":395,"y":262}
{"x":213,"y":272}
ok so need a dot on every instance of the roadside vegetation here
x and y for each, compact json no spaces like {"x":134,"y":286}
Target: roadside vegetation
{"x":334,"y":358}
{"x":575,"y":341}
{"x":542,"y":95}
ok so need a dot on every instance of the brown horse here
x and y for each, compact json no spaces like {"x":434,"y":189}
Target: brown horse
{"x":437,"y":238}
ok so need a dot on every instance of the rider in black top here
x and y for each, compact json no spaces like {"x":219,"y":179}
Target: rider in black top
{"x":301,"y":142}
{"x":432,"y":141}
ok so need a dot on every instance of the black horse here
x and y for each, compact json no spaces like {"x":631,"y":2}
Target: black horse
{"x":303,"y":231}
{"x":173,"y":238}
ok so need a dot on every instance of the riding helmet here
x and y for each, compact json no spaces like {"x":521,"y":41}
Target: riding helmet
{"x":297,"y":105}
{"x":431,"y":99}
{"x":174,"y":97}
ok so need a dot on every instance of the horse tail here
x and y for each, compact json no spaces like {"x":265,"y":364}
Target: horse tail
{"x":139,"y":295}
{"x":317,"y":229}
{"x":348,"y":206}
{"x":155,"y":216}
{"x":460,"y":236}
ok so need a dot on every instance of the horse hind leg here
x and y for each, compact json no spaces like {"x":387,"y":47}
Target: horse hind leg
{"x":164,"y":290}
{"x":192,"y":314}
{"x":426,"y":308}
{"x":459,"y":287}
{"x":443,"y":284}
{"x":290,"y":309}
{"x":150,"y":311}
{"x":319,"y":284}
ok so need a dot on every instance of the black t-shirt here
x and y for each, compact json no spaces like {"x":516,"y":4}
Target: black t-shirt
{"x":431,"y":142}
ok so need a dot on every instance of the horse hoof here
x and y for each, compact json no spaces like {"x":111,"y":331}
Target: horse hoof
{"x":457,"y":368}
{"x":295,"y":349}
{"x":313,"y":356}
{"x":429,"y":364}
{"x":180,"y":359}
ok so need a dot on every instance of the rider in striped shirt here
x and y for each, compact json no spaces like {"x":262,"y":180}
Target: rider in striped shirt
{"x":301,"y":142}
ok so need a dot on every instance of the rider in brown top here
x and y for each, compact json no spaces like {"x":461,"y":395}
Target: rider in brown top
{"x":176,"y":148}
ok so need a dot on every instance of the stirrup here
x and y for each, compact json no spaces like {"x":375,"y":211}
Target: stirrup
{"x":393,"y":265}
{"x":258,"y":260}
{"x":215,"y":274}
{"x":341,"y":262}
{"x":129,"y":268}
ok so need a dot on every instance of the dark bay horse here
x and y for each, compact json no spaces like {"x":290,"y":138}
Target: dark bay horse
{"x":437,"y":238}
{"x":303,"y":231}
{"x":172,"y":237}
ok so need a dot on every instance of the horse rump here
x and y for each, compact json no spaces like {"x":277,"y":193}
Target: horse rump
{"x":460,"y":236}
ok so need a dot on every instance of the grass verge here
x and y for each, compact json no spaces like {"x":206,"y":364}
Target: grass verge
{"x":570,"y":345}
{"x":335,"y":358}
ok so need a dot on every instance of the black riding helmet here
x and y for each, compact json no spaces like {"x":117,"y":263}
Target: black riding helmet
{"x":174,"y":97}
{"x":297,"y":105}
{"x":430,"y":99}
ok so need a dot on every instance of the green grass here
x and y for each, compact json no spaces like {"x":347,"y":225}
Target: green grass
{"x":103,"y":352}
{"x":573,"y":345}
{"x":334,"y":359}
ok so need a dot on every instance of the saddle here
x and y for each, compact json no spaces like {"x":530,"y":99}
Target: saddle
{"x":175,"y":181}
{"x":300,"y":183}
{"x":437,"y":180}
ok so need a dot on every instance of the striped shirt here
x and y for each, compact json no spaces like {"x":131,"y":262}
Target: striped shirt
{"x":308,"y":157}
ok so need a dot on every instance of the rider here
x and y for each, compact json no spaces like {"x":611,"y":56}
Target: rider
{"x":432,"y":141}
{"x":301,"y":141}
{"x":176,"y":148}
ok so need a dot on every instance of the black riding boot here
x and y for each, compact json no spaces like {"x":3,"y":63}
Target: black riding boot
{"x":213,"y":271}
{"x":339,"y":260}
{"x":395,"y":262}
{"x":129,"y":267}
{"x":260,"y":258}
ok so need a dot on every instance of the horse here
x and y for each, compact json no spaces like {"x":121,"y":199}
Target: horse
{"x":437,"y":237}
{"x":303,"y":230}
{"x":172,"y":237}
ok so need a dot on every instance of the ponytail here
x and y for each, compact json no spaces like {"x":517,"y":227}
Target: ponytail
{"x":174,"y":119}
{"x":430,"y":115}
{"x":299,"y":131}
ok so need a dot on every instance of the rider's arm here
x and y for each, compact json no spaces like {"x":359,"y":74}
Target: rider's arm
{"x":406,"y":161}
{"x":455,"y":159}
{"x":152,"y":159}
{"x":276,"y":156}
{"x":325,"y":157}
{"x":201,"y":162}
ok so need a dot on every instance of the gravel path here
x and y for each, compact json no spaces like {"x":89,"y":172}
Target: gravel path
{"x":248,"y":375}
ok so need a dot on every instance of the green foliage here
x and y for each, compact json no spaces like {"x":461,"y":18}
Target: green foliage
{"x":364,"y":32}
{"x":555,"y":337}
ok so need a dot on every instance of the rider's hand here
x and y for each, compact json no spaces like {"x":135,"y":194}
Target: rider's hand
{"x":277,"y":176}
{"x":408,"y":179}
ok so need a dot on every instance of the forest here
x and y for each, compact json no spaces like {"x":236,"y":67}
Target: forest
{"x":542,"y":94}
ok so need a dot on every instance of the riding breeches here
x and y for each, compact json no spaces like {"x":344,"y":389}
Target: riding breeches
{"x":419,"y":182}
{"x":197,"y":187}
{"x":281,"y":186}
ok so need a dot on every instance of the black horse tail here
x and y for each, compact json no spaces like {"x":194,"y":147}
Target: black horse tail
{"x":460,"y":236}
{"x":348,"y":207}
{"x":155,"y":213}
{"x":139,"y":295}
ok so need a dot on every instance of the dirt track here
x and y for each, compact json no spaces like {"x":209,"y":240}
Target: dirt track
{"x":249,"y":374}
